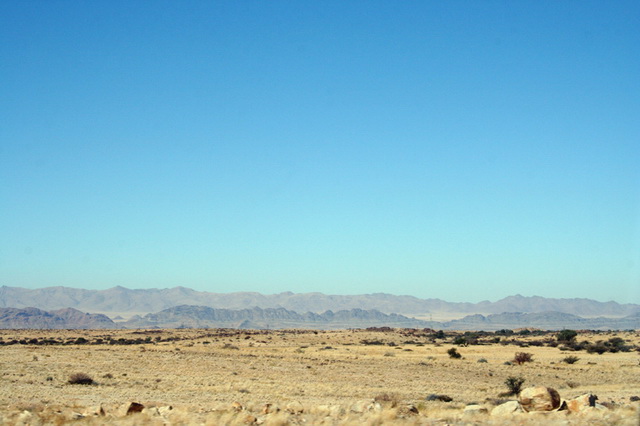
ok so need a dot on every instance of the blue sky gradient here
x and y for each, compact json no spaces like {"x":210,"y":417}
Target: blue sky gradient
{"x":460,"y":150}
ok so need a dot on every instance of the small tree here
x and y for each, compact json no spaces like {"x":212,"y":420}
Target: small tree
{"x":514,"y":384}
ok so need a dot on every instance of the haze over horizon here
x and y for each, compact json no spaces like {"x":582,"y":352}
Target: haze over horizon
{"x":456,"y":150}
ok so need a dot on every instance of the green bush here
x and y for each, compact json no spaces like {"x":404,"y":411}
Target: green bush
{"x":566,"y":336}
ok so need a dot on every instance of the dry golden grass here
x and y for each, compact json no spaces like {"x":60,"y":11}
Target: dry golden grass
{"x":329,"y":375}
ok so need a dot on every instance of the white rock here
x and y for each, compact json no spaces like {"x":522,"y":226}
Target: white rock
{"x":507,"y":409}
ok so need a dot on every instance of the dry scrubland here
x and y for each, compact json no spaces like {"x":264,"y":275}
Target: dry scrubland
{"x":324,"y":377}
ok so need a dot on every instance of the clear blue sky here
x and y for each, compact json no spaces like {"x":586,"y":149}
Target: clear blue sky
{"x":464,"y":150}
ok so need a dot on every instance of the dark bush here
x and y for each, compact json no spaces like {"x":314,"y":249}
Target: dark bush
{"x":566,"y":335}
{"x":571,"y":359}
{"x":460,"y":340}
{"x":453,"y":353}
{"x":80,"y":379}
{"x":514,"y":384}
{"x":522,"y":357}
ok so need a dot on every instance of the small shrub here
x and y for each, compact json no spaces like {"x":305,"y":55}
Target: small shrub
{"x":453,"y":353}
{"x":230,"y":346}
{"x":80,"y":379}
{"x":566,"y":336}
{"x":571,"y":359}
{"x":522,"y":357}
{"x":514,"y":384}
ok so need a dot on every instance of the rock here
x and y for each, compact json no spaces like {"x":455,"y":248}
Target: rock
{"x":236,"y":406}
{"x":294,"y":407}
{"x":634,"y":398}
{"x":507,"y":409}
{"x":540,"y":398}
{"x":475,"y":409}
{"x":436,"y":397}
{"x":407,"y":410}
{"x":250,"y":420}
{"x":366,"y":405}
{"x":269,"y":408}
{"x":331,"y":410}
{"x":24,"y":418}
{"x":134,"y":407}
{"x":580,"y":403}
{"x":94,"y":411}
{"x":165,"y":410}
{"x":77,"y":416}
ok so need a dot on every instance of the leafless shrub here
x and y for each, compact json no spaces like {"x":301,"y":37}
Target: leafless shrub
{"x":80,"y":379}
{"x":522,"y":357}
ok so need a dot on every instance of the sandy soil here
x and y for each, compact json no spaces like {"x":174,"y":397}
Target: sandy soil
{"x":204,"y":372}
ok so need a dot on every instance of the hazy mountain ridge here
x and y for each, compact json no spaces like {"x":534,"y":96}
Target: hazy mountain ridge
{"x":120,"y":299}
{"x":190,"y":316}
{"x":203,"y":316}
{"x":68,"y":318}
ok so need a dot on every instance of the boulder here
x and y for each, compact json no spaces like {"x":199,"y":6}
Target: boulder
{"x":236,"y":406}
{"x":407,"y":410}
{"x":295,"y":407}
{"x":507,"y":409}
{"x":539,"y":398}
{"x":250,"y":420}
{"x":269,"y":408}
{"x":436,"y":397}
{"x":475,"y":409}
{"x":331,"y":410}
{"x":134,"y":407}
{"x":582,"y":402}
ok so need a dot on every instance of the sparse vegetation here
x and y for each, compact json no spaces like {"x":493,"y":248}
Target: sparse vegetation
{"x":267,"y":364}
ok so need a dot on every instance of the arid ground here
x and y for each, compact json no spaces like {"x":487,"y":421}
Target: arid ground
{"x":312,"y":377}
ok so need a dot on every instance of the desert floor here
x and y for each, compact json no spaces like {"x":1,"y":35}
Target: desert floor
{"x":323,"y":377}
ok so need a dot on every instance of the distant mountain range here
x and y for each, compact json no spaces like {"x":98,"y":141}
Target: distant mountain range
{"x":13,"y":318}
{"x":188,"y":316}
{"x":258,"y":318}
{"x":123,"y":300}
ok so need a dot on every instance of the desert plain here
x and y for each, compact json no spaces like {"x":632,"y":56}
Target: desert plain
{"x":278,"y":377}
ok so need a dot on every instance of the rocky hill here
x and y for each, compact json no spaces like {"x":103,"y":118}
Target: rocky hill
{"x":190,"y":316}
{"x":68,"y":318}
{"x":258,"y":318}
{"x":120,"y":299}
